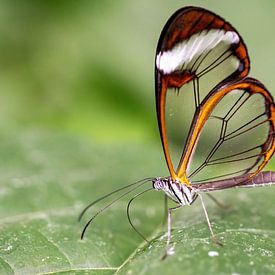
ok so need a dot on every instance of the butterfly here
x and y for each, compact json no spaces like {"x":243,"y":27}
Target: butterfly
{"x":216,"y":124}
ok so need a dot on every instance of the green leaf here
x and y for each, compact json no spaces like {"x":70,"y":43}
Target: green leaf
{"x":86,"y":68}
{"x":47,"y":179}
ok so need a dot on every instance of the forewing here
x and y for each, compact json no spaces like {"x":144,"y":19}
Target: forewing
{"x":232,"y":135}
{"x":197,"y":51}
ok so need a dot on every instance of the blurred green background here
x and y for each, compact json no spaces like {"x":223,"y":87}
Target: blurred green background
{"x":77,"y":119}
{"x":86,"y":67}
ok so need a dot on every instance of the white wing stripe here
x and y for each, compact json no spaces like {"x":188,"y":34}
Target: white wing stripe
{"x":185,"y":51}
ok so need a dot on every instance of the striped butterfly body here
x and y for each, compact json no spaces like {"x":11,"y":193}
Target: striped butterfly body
{"x":216,"y":123}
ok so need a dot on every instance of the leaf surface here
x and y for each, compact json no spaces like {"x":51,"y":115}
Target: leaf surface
{"x":46,"y":180}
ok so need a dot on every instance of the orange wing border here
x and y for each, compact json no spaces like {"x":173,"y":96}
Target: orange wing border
{"x":250,"y":85}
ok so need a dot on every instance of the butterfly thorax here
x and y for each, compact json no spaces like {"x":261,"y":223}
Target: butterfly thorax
{"x":177,"y":191}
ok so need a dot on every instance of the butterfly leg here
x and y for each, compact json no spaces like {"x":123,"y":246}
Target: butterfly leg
{"x":215,"y":240}
{"x":220,"y":204}
{"x":165,"y":209}
{"x":169,"y":249}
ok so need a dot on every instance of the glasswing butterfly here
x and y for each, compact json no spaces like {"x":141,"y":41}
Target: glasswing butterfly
{"x":216,"y":123}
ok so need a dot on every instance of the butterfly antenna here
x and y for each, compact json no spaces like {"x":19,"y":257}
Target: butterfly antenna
{"x":128,"y":213}
{"x":108,"y":195}
{"x":111,"y":203}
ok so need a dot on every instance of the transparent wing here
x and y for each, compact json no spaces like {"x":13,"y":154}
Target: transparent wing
{"x":197,"y":51}
{"x":179,"y":111}
{"x":232,"y":135}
